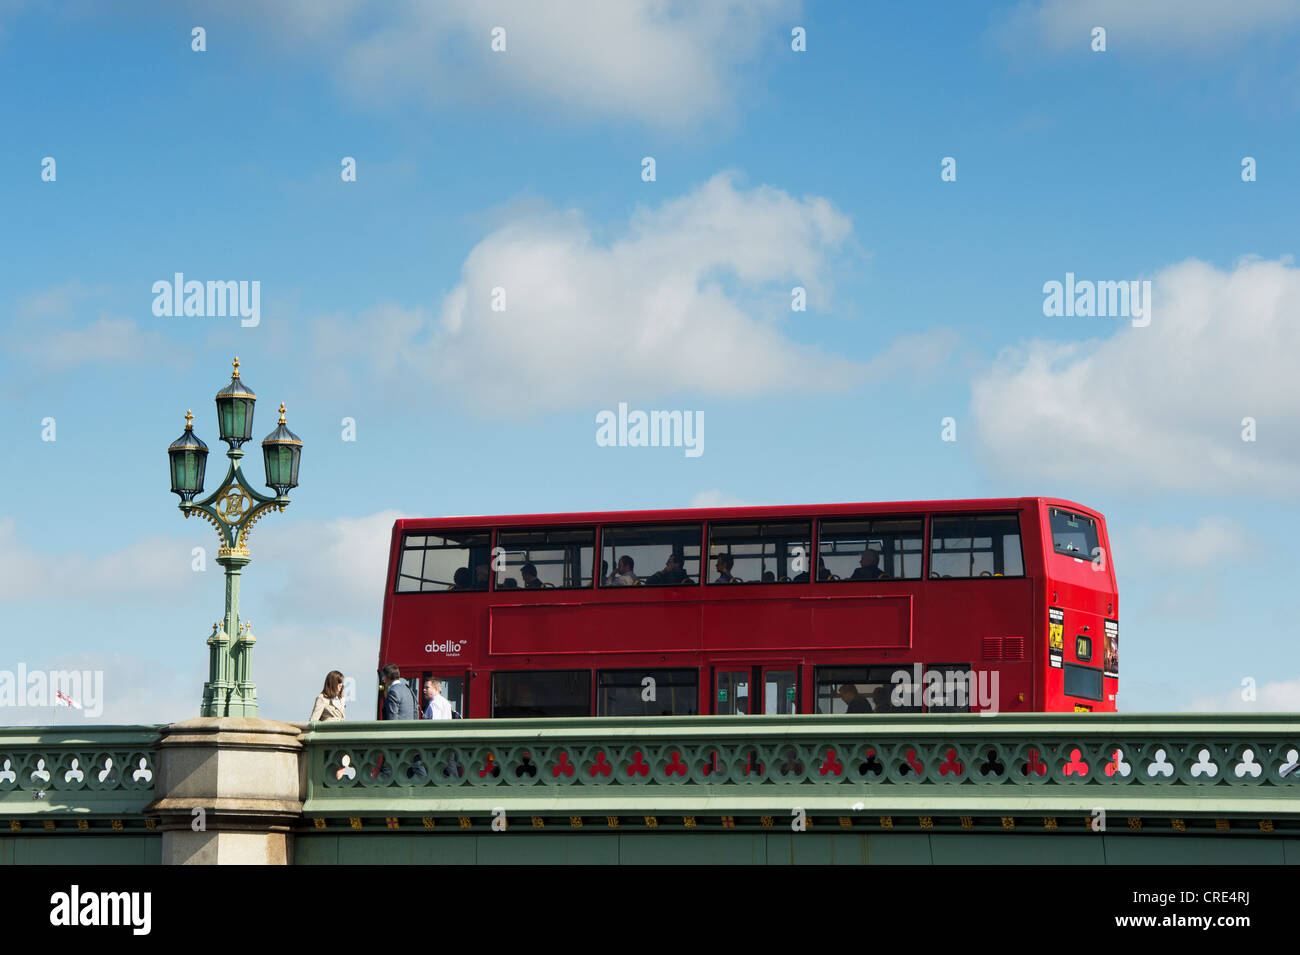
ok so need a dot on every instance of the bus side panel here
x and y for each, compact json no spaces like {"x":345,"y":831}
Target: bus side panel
{"x":628,"y":628}
{"x":987,"y":623}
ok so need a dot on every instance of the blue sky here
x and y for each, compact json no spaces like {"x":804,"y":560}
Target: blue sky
{"x":522,"y":169}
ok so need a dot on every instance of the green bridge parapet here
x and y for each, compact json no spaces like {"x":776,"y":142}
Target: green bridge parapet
{"x":89,"y":783}
{"x":958,"y":766}
{"x":1221,"y":779}
{"x":76,"y":771}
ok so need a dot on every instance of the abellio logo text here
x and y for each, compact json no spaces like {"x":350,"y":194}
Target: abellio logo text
{"x":451,"y":648}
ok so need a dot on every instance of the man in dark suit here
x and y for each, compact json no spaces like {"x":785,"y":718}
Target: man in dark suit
{"x":399,"y":701}
{"x":868,"y":566}
{"x":854,"y":702}
{"x":672,"y":572}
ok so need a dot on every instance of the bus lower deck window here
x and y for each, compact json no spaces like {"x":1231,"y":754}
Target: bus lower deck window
{"x":648,"y":692}
{"x":534,"y":693}
{"x":860,"y":689}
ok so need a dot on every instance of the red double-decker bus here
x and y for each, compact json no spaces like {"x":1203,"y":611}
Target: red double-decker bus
{"x":986,"y":605}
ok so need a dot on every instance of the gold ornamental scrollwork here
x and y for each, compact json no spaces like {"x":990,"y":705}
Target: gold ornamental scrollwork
{"x":243,"y":535}
{"x":204,"y":515}
{"x":233,"y":504}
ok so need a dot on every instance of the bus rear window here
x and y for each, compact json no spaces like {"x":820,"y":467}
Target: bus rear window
{"x":1073,"y":534}
{"x":1083,"y":682}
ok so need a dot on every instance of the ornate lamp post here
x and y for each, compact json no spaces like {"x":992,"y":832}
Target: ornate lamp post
{"x":233,"y":509}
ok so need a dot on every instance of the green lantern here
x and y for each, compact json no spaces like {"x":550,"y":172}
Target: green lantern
{"x":188,"y":456}
{"x":282,"y":450}
{"x":235,"y":411}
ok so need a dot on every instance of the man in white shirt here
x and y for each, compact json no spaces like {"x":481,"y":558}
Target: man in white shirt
{"x":624,"y":574}
{"x":436,"y":707}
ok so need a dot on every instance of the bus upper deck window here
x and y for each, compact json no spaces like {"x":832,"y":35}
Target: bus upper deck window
{"x":545,"y":558}
{"x":976,"y":546}
{"x":654,"y":555}
{"x":451,"y":561}
{"x":881,"y":548}
{"x":754,"y":553}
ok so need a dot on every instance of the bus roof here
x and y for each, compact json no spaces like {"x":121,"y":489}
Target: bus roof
{"x":757,"y":512}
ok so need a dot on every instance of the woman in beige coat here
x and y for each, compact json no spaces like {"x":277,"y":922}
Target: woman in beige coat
{"x":329,"y":702}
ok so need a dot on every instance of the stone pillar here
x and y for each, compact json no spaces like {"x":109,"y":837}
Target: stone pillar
{"x":229,"y":791}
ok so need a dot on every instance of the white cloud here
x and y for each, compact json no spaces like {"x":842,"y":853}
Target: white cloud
{"x":667,"y":64}
{"x":48,"y":331}
{"x":689,"y":297}
{"x":1159,"y":407}
{"x":57,"y":301}
{"x":1280,"y":696}
{"x":326,"y":617}
{"x":915,"y":357}
{"x":112,"y":688}
{"x":1194,"y":599}
{"x":291,"y":661}
{"x":154,"y":566}
{"x":1202,"y":25}
{"x":336,"y":568}
{"x":108,"y":340}
{"x":1210,"y":543}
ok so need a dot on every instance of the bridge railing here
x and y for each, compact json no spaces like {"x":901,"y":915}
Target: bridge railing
{"x":1226,"y":775}
{"x":1176,"y":765}
{"x":89,"y":773}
